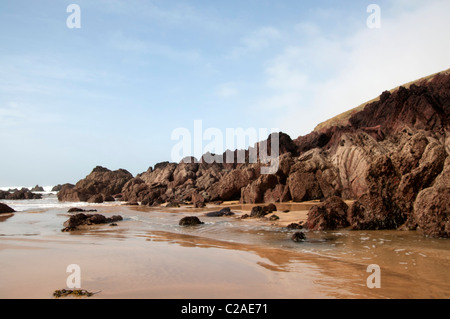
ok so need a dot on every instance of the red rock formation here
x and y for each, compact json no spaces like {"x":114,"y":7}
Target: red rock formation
{"x":101,"y":181}
{"x":388,"y":157}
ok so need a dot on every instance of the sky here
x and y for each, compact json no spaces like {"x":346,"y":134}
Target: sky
{"x":113,"y":91}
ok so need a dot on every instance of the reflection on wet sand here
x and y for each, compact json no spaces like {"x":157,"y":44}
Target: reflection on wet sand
{"x":336,"y":278}
{"x":4,"y":217}
{"x":148,"y":255}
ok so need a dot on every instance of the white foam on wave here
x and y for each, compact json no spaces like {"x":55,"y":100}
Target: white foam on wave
{"x":49,"y":201}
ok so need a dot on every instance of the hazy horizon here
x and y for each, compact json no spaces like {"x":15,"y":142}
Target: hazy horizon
{"x":112,"y":92}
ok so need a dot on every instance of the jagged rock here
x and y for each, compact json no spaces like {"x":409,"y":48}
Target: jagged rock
{"x":313,"y":177}
{"x":100,"y":181}
{"x":37,"y":188}
{"x":376,"y":210}
{"x":383,"y":155}
{"x":255,"y":192}
{"x":280,"y":193}
{"x":22,"y":194}
{"x":230,"y":185}
{"x":198,"y":200}
{"x":58,"y":187}
{"x":432,"y":206}
{"x":329,"y":215}
{"x":422,"y":176}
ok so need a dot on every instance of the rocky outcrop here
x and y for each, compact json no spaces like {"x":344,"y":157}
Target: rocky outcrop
{"x":329,"y":215}
{"x":376,"y":210}
{"x":312,"y":176}
{"x":5,"y":209}
{"x":58,"y":187}
{"x":100,"y":182}
{"x":386,"y":157}
{"x":75,"y":221}
{"x":262,"y":189}
{"x":21,"y":194}
{"x":230,"y":185}
{"x":432,"y":207}
{"x":37,"y":188}
{"x":198,"y":200}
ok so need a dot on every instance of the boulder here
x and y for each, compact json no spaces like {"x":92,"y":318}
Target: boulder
{"x":329,"y":215}
{"x":75,"y":221}
{"x":198,"y":200}
{"x":298,"y":237}
{"x":258,"y":212}
{"x":295,"y":226}
{"x":223,"y":212}
{"x":190,"y":221}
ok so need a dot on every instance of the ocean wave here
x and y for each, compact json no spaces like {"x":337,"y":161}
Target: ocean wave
{"x":49,"y":200}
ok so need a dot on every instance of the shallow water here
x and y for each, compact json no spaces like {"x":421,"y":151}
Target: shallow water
{"x":149,"y":256}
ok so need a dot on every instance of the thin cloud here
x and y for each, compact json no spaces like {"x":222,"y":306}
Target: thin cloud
{"x":324,"y":77}
{"x":227,"y":90}
{"x":144,"y":47}
{"x":255,"y":41}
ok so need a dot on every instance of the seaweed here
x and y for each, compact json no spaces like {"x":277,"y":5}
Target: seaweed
{"x":76,"y":293}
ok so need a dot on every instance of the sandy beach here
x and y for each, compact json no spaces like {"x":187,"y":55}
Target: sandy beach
{"x":148,"y":255}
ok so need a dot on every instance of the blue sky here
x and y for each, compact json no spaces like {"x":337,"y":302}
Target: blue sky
{"x":112,"y":92}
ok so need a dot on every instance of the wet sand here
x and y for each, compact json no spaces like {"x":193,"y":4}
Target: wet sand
{"x":149,"y":256}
